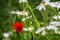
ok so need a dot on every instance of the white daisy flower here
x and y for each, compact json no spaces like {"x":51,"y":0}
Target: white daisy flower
{"x":29,"y":17}
{"x":23,"y":19}
{"x":20,"y":12}
{"x":25,"y":29}
{"x":30,"y":28}
{"x":6,"y":35}
{"x":24,"y":13}
{"x":24,"y":1}
{"x":46,"y":0}
{"x":43,"y":33}
{"x":58,"y":5}
{"x":56,"y":17}
{"x":40,"y":30}
{"x":55,"y":23}
{"x":53,"y":4}
{"x":13,"y":12}
{"x":42,"y":5}
{"x":58,"y":32}
{"x":51,"y":27}
{"x":30,"y":22}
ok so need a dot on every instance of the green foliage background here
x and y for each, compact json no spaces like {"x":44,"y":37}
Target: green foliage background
{"x":6,"y":18}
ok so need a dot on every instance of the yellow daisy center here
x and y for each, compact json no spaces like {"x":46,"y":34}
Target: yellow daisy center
{"x":43,"y":3}
{"x":22,"y":12}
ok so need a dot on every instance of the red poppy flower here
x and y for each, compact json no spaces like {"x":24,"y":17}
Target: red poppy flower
{"x":18,"y":26}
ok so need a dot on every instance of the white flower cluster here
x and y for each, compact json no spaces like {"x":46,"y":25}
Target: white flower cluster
{"x":6,"y":35}
{"x":56,"y":17}
{"x":42,"y":5}
{"x":40,"y":30}
{"x":24,"y":1}
{"x":47,"y":2}
{"x":27,"y":17}
{"x":20,"y":12}
{"x":52,"y":26}
{"x":31,"y":28}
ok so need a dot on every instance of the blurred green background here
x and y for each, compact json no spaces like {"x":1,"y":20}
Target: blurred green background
{"x":6,"y":18}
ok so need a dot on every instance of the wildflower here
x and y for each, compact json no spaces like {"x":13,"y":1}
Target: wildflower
{"x":51,"y":27}
{"x":53,"y":4}
{"x":18,"y":26}
{"x":24,"y":13}
{"x":43,"y":33}
{"x":31,"y":22}
{"x":58,"y":32}
{"x":25,"y":29}
{"x":20,"y":13}
{"x":58,"y":7}
{"x":56,"y":17}
{"x":23,"y":19}
{"x":13,"y":12}
{"x":55,"y":23}
{"x":6,"y":35}
{"x":30,"y":28}
{"x":42,"y":5}
{"x":24,"y":1}
{"x":46,"y":0}
{"x":29,"y":17}
{"x":40,"y":30}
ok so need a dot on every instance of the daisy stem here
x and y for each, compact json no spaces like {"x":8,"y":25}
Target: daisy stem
{"x":48,"y":38}
{"x":44,"y":19}
{"x":34,"y":36}
{"x":25,"y":21}
{"x":33,"y":14}
{"x":55,"y":12}
{"x":23,"y":7}
{"x":34,"y":19}
{"x":47,"y":17}
{"x":14,"y":19}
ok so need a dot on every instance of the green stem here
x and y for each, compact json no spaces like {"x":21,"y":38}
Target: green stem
{"x":14,"y":19}
{"x":23,"y":7}
{"x":48,"y":38}
{"x":47,"y":16}
{"x":33,"y":15}
{"x":55,"y":12}
{"x":44,"y":18}
{"x":34,"y":35}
